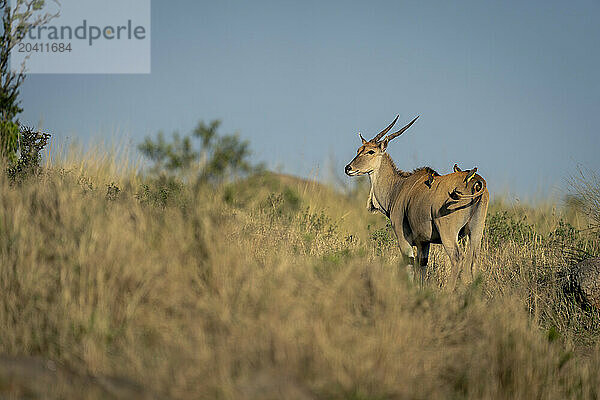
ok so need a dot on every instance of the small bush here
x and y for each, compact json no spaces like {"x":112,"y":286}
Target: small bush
{"x":31,"y":144}
{"x":217,"y":158}
{"x":112,"y":191}
{"x":383,"y":238}
{"x":163,"y":192}
{"x":503,"y":226}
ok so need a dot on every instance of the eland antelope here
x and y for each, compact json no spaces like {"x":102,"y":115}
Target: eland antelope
{"x":423,"y":206}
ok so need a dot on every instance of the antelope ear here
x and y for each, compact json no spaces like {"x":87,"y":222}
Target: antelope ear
{"x":470,"y":175}
{"x":362,"y":138}
{"x":383,"y":144}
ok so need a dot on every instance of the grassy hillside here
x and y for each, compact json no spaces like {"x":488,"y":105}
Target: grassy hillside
{"x":113,"y":285}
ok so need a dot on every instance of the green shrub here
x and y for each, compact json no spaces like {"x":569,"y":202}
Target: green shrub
{"x":31,"y":144}
{"x":217,"y":157}
{"x":502,"y":226}
{"x":383,"y":238}
{"x":163,"y":192}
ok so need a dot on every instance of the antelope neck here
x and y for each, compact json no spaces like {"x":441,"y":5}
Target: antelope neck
{"x":383,"y":180}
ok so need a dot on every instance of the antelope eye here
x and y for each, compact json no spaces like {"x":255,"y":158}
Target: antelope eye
{"x":370,"y":152}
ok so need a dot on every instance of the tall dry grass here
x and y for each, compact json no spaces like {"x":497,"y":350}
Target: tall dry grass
{"x":271,"y":288}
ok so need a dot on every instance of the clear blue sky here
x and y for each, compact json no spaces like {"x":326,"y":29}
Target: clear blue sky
{"x":512,"y":87}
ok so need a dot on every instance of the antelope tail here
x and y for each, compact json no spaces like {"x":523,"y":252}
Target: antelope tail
{"x":459,"y":196}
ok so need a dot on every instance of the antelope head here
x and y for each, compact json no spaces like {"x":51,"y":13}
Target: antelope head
{"x":368,"y":155}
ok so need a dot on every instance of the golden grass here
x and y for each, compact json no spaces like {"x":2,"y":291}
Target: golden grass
{"x":272,"y":288}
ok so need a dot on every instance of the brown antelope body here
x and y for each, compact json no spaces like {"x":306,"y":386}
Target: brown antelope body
{"x":423,"y":206}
